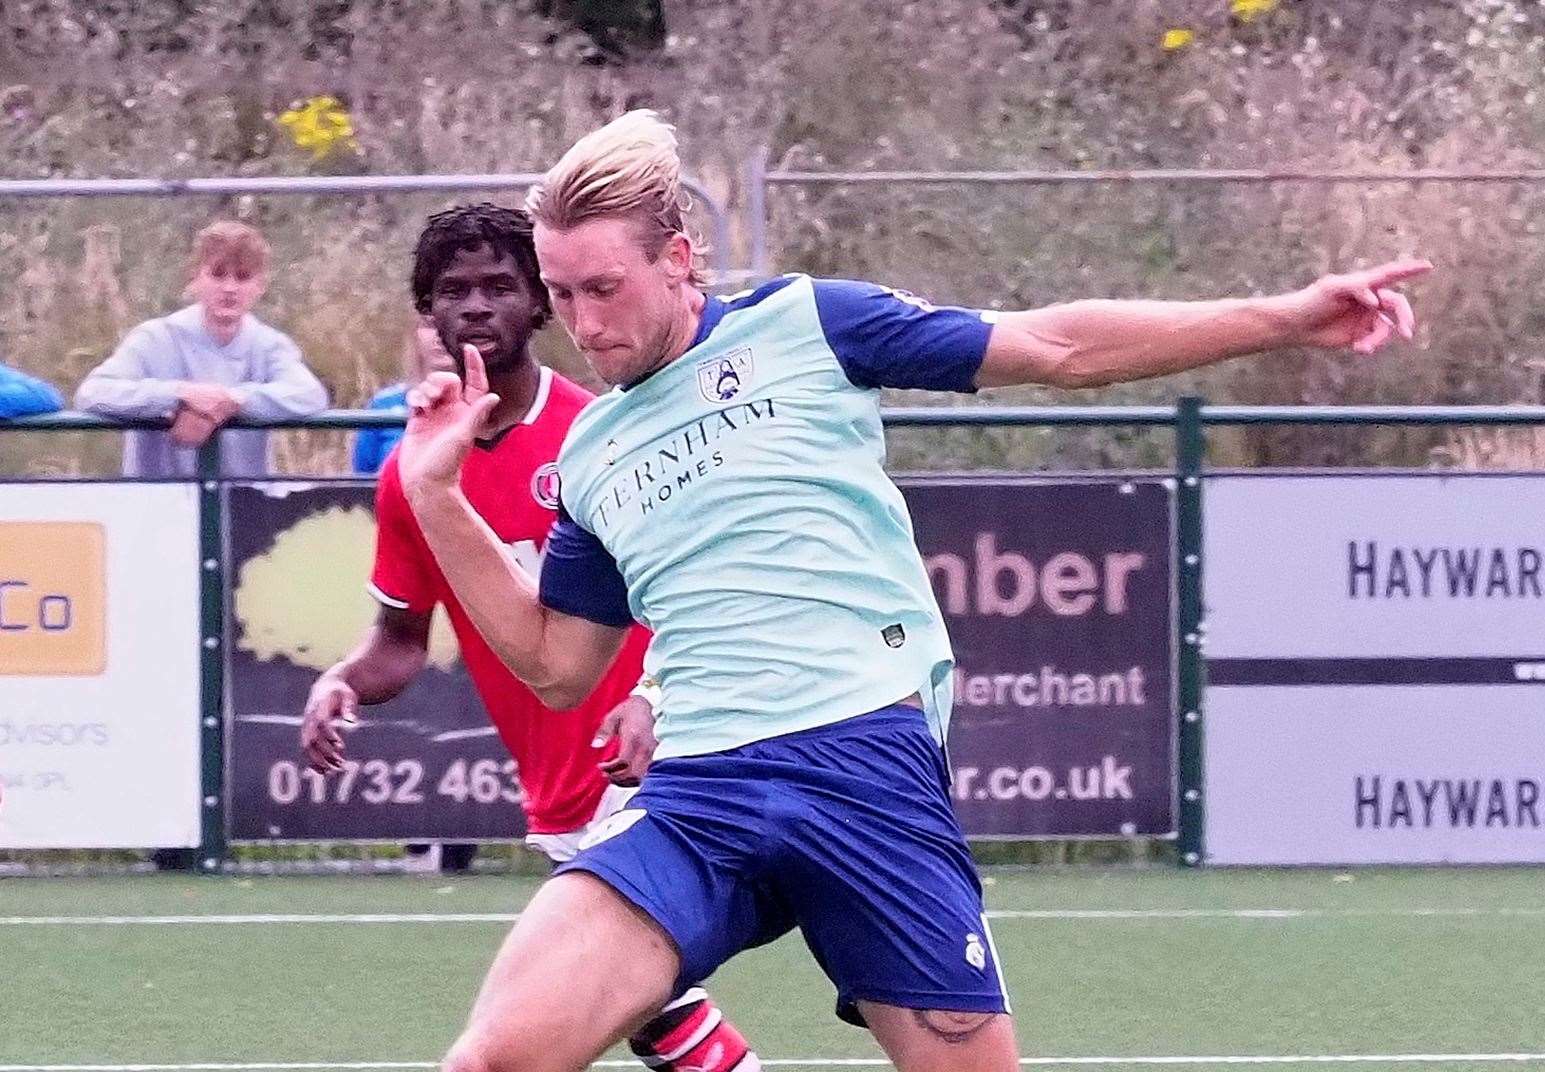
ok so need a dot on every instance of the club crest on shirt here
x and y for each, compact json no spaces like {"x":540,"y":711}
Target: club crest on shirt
{"x":724,"y":377}
{"x":544,"y":485}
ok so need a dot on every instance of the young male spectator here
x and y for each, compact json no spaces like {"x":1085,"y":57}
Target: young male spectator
{"x":206,"y":364}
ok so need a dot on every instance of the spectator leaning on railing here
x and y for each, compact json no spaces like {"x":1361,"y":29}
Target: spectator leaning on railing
{"x":21,"y":395}
{"x":206,"y":364}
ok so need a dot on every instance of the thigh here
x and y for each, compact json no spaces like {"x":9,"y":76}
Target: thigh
{"x":685,"y":851}
{"x":882,"y":883}
{"x":581,"y":969}
{"x":936,"y":1040}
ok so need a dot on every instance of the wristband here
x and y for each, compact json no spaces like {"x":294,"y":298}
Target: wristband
{"x":649,"y":689}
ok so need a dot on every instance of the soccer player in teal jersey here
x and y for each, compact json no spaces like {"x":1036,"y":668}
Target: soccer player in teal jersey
{"x":729,"y":493}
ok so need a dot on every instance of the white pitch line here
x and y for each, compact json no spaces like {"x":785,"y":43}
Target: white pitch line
{"x":382,"y":917}
{"x":1258,"y":913}
{"x":834,"y":1062}
{"x":1002,"y":914}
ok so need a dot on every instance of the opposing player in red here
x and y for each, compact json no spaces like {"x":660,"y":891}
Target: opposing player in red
{"x":475,"y":275}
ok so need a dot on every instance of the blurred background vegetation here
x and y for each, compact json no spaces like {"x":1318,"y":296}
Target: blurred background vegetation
{"x":165,"y":88}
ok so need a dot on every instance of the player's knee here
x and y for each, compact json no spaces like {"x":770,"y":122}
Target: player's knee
{"x":938,"y":1041}
{"x":465,"y":1057}
{"x":474,"y":1052}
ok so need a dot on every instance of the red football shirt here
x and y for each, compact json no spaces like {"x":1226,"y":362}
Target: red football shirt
{"x":513,"y":485}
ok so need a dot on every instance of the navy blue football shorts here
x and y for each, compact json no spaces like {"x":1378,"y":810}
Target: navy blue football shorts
{"x":844,"y":831}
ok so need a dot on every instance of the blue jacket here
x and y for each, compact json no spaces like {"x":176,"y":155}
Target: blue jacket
{"x":21,"y":394}
{"x":372,"y":445}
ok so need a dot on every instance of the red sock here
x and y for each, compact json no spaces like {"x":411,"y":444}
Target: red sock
{"x":692,"y":1035}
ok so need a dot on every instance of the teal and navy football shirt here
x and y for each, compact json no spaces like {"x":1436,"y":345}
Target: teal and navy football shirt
{"x":735,"y":502}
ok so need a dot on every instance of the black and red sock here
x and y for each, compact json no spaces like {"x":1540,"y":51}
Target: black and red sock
{"x":692,"y":1035}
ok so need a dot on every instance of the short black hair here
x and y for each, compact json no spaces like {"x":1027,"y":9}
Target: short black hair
{"x":505,"y":230}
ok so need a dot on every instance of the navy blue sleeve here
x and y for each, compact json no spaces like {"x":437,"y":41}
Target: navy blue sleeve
{"x":580,"y":578}
{"x":888,"y":338}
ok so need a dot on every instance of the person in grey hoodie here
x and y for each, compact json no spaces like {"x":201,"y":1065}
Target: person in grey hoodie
{"x":204,"y":365}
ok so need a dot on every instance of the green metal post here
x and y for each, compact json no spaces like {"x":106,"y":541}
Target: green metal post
{"x":1190,"y":459}
{"x":212,"y":658}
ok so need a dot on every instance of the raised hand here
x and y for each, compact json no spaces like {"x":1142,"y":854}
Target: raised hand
{"x":1360,"y":311}
{"x":445,"y":416}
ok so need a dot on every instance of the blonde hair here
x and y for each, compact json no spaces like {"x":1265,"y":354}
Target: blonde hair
{"x":629,"y":167}
{"x":230,"y":242}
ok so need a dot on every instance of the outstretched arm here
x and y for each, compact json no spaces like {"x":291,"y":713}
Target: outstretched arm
{"x":1092,"y":343}
{"x":560,"y":656}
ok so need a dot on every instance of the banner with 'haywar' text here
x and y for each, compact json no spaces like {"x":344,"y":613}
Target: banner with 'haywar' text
{"x":1374,"y":664}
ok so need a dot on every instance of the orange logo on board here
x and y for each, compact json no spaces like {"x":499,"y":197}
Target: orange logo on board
{"x":53,"y":598}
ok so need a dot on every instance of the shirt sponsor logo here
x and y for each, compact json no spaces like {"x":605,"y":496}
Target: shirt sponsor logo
{"x":669,"y":468}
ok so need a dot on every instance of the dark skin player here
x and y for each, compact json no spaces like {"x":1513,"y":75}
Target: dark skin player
{"x":481,"y":299}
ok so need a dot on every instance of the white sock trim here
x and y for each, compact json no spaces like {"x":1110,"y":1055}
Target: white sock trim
{"x":688,"y":996}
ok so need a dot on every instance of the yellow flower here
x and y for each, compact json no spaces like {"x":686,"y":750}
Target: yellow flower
{"x":1174,"y":40}
{"x":319,"y":126}
{"x":1247,"y":10}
